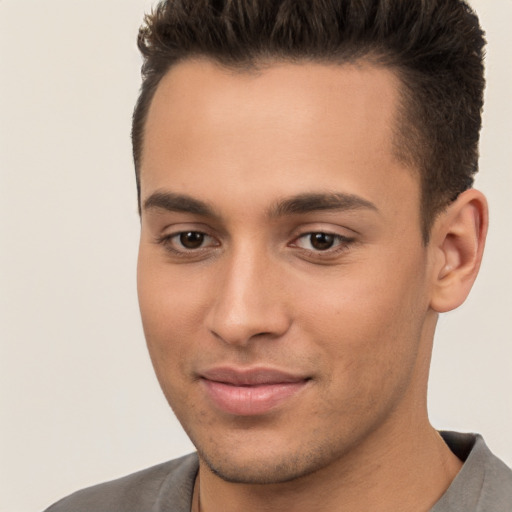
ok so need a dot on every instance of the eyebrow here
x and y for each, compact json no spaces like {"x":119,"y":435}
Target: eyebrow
{"x":311,"y":202}
{"x":298,"y":204}
{"x":178,"y":203}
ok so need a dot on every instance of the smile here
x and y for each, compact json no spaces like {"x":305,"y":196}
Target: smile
{"x":253,"y":392}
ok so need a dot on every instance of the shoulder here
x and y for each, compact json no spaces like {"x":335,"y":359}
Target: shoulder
{"x":483,"y":484}
{"x":153,"y":490}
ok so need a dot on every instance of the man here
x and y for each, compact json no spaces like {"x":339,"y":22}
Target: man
{"x":304,"y":176}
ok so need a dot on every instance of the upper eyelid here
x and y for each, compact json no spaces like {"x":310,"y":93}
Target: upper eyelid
{"x":344,"y":245}
{"x":179,"y":233}
{"x":176,"y":228}
{"x":324,"y":226}
{"x":324,"y":231}
{"x":340,"y":238}
{"x":220,"y":231}
{"x":171,"y":246}
{"x":296,"y":236}
{"x":172,"y":231}
{"x":182,"y":227}
{"x":331,"y":232}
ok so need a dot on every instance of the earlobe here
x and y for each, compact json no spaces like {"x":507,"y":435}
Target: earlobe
{"x":458,"y":239}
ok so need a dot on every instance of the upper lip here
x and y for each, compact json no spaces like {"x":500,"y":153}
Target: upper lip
{"x":250,"y":376}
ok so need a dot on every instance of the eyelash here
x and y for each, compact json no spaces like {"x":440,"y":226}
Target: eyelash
{"x":340,"y":244}
{"x":167,"y":242}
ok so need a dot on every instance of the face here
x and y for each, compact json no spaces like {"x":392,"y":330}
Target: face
{"x":283,"y":283}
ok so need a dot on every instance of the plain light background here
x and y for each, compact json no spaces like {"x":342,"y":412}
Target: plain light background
{"x":79,"y":401}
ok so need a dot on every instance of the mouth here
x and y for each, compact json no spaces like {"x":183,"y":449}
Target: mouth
{"x":250,"y":392}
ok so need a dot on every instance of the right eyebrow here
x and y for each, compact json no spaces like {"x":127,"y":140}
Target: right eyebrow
{"x":172,"y":202}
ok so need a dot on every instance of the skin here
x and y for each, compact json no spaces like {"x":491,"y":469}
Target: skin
{"x":355,"y":320}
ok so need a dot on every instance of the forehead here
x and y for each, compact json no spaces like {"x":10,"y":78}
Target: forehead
{"x":287,"y":127}
{"x":203,"y":95}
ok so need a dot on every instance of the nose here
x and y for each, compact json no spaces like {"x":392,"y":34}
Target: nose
{"x":249,"y":301}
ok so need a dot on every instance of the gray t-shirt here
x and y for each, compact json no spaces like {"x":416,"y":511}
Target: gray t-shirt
{"x":484,"y":484}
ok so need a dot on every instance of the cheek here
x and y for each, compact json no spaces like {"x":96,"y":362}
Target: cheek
{"x":368,"y":326}
{"x":359,"y":307}
{"x":171,"y":311}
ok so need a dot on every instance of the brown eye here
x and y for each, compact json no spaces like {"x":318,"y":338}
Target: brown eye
{"x":191,"y":239}
{"x":321,"y":241}
{"x":322,"y":245}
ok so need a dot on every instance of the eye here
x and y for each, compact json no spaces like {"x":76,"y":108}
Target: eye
{"x":186,"y":243}
{"x":321,"y":241}
{"x":191,"y":239}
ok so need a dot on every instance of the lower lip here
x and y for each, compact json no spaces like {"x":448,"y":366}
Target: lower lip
{"x":250,"y":400}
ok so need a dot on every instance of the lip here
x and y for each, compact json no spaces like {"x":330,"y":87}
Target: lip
{"x":250,"y":392}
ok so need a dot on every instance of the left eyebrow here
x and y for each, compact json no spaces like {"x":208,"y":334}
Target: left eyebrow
{"x":312,"y":202}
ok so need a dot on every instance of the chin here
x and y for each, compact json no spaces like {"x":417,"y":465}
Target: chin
{"x":268,"y":468}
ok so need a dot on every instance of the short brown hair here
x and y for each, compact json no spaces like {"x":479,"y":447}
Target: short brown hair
{"x":436,"y":47}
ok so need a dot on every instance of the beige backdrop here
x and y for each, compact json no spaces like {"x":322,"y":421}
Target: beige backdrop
{"x":79,"y":401}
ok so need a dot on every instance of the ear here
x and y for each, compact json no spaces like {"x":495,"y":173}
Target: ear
{"x":457,"y":243}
